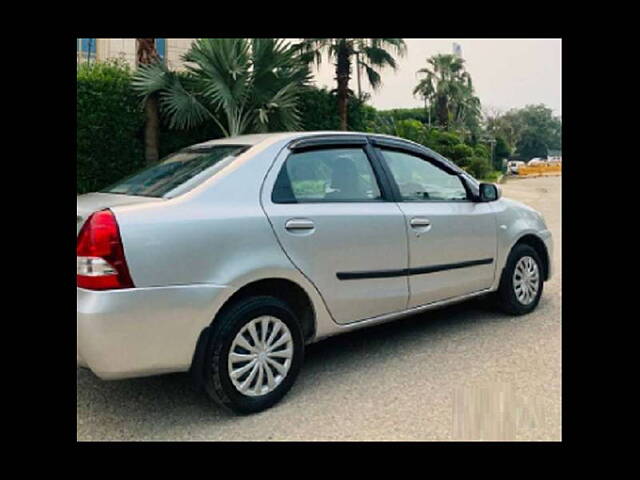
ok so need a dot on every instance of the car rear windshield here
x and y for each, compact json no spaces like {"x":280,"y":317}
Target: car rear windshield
{"x":179,"y":172}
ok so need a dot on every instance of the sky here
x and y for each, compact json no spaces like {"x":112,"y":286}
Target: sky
{"x":506,"y":73}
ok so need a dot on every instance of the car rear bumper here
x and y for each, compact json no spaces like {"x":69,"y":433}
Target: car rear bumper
{"x":143,"y":331}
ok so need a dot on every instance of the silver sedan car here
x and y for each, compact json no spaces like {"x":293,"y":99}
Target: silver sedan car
{"x":228,"y":257}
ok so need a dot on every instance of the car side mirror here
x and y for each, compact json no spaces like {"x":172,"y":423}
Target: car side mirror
{"x":489,"y":192}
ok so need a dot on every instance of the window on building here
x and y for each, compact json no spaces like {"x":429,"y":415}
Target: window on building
{"x":87,"y":48}
{"x":161,"y":47}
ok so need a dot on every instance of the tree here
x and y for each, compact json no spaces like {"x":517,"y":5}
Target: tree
{"x":530,"y":131}
{"x":502,"y":152}
{"x":448,"y":86}
{"x":542,"y":131}
{"x":243,"y":85}
{"x":147,"y":55}
{"x":372,"y":54}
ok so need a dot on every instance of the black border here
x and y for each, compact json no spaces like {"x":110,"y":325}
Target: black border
{"x":577,"y":58}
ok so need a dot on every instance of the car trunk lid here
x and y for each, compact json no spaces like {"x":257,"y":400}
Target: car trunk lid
{"x":92,"y":202}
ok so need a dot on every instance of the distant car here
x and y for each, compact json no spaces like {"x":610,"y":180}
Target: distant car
{"x":514,"y":165}
{"x":230,"y":256}
{"x":536,"y":161}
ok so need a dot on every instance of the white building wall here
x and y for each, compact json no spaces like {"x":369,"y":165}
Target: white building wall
{"x":176,"y":47}
{"x":125,"y":48}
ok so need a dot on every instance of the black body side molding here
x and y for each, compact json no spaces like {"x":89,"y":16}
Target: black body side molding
{"x":411,"y":271}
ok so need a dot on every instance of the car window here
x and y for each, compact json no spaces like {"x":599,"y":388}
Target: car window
{"x":327,"y":175}
{"x":188,"y":167}
{"x":420,"y":180}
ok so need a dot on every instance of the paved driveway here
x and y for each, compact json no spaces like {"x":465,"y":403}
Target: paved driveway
{"x":463,"y":372}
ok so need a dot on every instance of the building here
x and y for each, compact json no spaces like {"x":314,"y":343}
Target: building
{"x":169,"y":49}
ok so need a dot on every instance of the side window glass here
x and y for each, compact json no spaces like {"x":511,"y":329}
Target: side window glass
{"x":327,"y":175}
{"x":420,"y":180}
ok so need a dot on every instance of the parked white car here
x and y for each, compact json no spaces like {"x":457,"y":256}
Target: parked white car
{"x":230,"y":256}
{"x":514,"y":165}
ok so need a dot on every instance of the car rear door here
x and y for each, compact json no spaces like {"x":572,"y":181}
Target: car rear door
{"x":452,"y":239}
{"x":332,"y":212}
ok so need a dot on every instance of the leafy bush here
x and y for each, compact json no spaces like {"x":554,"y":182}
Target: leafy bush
{"x":411,"y":130}
{"x":110,"y":127}
{"x":109,"y":121}
{"x":482,"y":151}
{"x":479,"y":167}
{"x":460,"y":154}
{"x":319,"y":111}
{"x":443,"y":138}
{"x":502,"y":152}
{"x":397,"y":114}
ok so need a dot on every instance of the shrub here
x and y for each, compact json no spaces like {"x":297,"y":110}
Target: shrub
{"x":110,"y":127}
{"x":460,"y":154}
{"x":318,"y":109}
{"x":411,"y":130}
{"x":482,"y":151}
{"x":479,"y":167}
{"x":406,"y":114}
{"x":109,"y":121}
{"x":444,"y":139}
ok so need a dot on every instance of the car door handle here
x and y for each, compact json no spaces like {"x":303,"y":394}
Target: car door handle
{"x":419,"y":222}
{"x":299,"y":224}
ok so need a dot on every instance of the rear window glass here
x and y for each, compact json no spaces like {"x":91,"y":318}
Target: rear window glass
{"x":182,"y":170}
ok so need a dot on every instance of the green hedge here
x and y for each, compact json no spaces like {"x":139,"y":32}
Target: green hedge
{"x":110,"y":127}
{"x":319,"y":111}
{"x":109,"y":124}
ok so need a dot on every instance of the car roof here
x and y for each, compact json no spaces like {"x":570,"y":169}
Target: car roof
{"x":256,"y":138}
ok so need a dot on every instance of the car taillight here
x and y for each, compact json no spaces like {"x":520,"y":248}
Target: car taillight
{"x":100,"y":254}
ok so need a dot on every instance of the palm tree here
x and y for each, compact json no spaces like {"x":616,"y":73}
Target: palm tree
{"x":372,"y":54}
{"x":147,"y":55}
{"x":448,"y":86}
{"x":243,"y":85}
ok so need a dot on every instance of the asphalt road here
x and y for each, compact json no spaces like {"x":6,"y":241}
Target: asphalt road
{"x":464,"y":372}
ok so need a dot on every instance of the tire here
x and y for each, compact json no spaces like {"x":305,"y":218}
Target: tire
{"x":225,"y":334}
{"x":507,"y":297}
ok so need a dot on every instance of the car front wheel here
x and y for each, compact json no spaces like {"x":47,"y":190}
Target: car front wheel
{"x":522,"y":281}
{"x":255,"y":352}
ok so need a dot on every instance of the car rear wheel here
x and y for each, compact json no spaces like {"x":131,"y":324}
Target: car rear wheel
{"x":254,"y":355}
{"x":522,"y":281}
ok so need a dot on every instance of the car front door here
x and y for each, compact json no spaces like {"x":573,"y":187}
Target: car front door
{"x":332,"y":213}
{"x":452,"y":239}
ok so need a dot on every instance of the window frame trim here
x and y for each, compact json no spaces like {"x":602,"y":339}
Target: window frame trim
{"x":336,"y":143}
{"x":401,"y":147}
